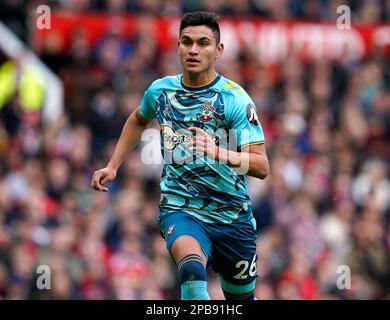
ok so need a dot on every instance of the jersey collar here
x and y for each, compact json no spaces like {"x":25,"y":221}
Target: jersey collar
{"x":202,"y":87}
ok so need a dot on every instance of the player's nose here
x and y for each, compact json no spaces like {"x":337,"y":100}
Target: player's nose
{"x":194,"y":49}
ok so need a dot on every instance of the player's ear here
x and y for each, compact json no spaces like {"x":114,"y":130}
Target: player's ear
{"x":219,"y":50}
{"x":178,"y":44}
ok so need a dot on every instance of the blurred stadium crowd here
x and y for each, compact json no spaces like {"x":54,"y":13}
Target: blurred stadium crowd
{"x":325,"y":204}
{"x":15,"y":12}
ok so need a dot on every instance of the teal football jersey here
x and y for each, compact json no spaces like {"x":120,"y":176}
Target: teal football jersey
{"x":211,"y":191}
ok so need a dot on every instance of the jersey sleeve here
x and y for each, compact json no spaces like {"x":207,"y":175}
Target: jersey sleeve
{"x":245,"y":122}
{"x":148,"y":103}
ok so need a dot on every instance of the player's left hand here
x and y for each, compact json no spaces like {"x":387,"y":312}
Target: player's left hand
{"x":203,"y":142}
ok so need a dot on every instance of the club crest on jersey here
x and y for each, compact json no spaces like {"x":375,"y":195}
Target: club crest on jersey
{"x":207,"y":112}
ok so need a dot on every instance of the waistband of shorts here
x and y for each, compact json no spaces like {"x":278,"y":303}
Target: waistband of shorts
{"x":244,"y":210}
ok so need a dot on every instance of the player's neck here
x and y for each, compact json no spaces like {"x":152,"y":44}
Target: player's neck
{"x":199,"y":80}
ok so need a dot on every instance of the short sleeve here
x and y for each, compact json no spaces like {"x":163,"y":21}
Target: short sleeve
{"x":148,"y":104}
{"x":245,"y":122}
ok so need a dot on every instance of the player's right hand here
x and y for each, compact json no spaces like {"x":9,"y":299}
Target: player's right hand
{"x":102,"y":177}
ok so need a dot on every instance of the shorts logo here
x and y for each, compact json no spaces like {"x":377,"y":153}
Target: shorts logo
{"x":251,"y":114}
{"x":207,"y":112}
{"x":171,"y":229}
{"x":171,"y":138}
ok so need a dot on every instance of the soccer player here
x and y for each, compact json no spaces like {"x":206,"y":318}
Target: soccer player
{"x":205,"y":211}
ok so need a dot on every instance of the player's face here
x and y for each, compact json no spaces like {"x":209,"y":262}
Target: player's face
{"x":198,"y":49}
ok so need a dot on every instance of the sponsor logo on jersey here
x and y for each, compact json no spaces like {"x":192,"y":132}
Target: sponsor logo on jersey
{"x":171,"y":138}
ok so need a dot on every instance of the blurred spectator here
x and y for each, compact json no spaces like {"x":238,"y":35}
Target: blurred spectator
{"x":325,"y":204}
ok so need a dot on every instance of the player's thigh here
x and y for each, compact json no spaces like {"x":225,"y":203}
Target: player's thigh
{"x":184,"y":235}
{"x":234,"y":252}
{"x":184,"y":246}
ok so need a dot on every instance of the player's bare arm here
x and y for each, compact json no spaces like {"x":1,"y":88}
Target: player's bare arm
{"x":129,"y":138}
{"x":256,"y":154}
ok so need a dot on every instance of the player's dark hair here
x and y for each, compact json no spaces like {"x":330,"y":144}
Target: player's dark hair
{"x":202,"y":18}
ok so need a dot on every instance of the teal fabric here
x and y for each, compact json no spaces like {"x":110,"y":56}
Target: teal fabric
{"x":237,"y":289}
{"x":194,"y":290}
{"x":211,"y":191}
